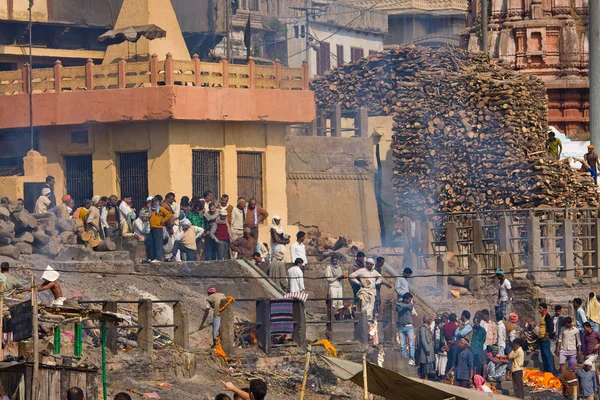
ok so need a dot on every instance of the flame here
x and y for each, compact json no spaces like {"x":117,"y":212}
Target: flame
{"x":254,"y":337}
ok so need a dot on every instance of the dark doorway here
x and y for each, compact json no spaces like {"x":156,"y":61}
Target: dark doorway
{"x":206,"y":172}
{"x":31,"y":192}
{"x":78,"y":173}
{"x":250,"y":172}
{"x":133,"y":174}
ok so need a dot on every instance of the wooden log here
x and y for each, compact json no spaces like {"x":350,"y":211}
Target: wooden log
{"x":24,"y":247}
{"x":51,"y":248}
{"x":40,"y":237}
{"x":25,"y":237}
{"x":67,"y":238}
{"x":7,"y":230}
{"x":106,"y":245}
{"x":67,"y":224}
{"x":24,"y":221}
{"x":10,"y":251}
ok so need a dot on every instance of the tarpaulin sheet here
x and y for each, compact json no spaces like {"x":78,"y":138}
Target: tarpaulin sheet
{"x":393,"y":386}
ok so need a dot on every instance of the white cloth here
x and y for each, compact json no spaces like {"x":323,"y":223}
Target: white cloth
{"x":41,"y":205}
{"x":332,"y":273}
{"x":140,"y":227}
{"x":504,"y":288}
{"x":298,"y":250}
{"x":401,"y":287}
{"x":336,"y":293}
{"x":368,"y":278}
{"x":59,"y":301}
{"x":295,"y":278}
{"x":501,"y":334}
{"x":103,"y":216}
{"x":124,"y":210}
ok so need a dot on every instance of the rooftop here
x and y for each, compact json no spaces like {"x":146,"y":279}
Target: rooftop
{"x":156,"y":90}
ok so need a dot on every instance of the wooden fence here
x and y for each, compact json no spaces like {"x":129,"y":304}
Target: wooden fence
{"x":124,"y":75}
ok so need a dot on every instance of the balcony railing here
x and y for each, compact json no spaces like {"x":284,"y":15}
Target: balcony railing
{"x":169,"y":72}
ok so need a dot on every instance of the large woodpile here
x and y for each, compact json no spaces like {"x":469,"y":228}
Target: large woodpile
{"x":468,"y":133}
{"x":24,"y":233}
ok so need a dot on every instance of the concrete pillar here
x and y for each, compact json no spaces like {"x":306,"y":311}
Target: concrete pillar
{"x":504,"y":234}
{"x":182,"y":334}
{"x":336,"y":120}
{"x":111,"y":330}
{"x":321,"y":123}
{"x":263,"y":320}
{"x":145,"y":320}
{"x":427,"y":237}
{"x":549,"y":232}
{"x":227,"y":327}
{"x":452,"y":236}
{"x":475,"y":270}
{"x":596,"y":248}
{"x":361,"y":122}
{"x":361,"y":328}
{"x":505,"y":262}
{"x":299,"y":315}
{"x":442,"y":270}
{"x":534,"y":253}
{"x":478,"y":236}
{"x":594,"y":68}
{"x":566,"y":247}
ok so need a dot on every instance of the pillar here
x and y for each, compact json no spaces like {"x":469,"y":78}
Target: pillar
{"x":442,"y":278}
{"x":504,"y":234}
{"x":478,"y":236}
{"x":299,"y":315}
{"x":263,"y":327}
{"x":336,"y":120}
{"x":181,"y":334}
{"x":145,"y":320}
{"x":534,"y":253}
{"x":111,"y":330}
{"x":566,"y":247}
{"x":361,"y":122}
{"x":227,"y":328}
{"x":452,"y":237}
{"x":594,"y":68}
{"x":595,"y":248}
{"x":361,"y":328}
{"x":475,"y":270}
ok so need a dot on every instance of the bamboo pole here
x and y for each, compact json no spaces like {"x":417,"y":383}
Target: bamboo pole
{"x":365,"y":384}
{"x":305,"y":377}
{"x":1,"y":319}
{"x":36,"y":343}
{"x":103,"y":344}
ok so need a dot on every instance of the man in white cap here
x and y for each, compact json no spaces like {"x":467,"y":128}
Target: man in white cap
{"x":50,"y":282}
{"x":93,"y":219}
{"x":186,"y":242}
{"x":588,"y":381}
{"x":367,"y":278}
{"x":43,"y":202}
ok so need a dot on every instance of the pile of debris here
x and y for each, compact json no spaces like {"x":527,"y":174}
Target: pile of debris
{"x":320,"y":246}
{"x":24,"y":233}
{"x":468,"y":133}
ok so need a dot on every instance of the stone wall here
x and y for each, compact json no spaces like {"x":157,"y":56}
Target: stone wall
{"x":330,"y":184}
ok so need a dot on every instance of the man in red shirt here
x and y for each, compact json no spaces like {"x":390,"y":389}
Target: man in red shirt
{"x":591,"y":338}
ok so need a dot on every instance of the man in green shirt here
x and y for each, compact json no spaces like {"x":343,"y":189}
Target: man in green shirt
{"x":553,"y":146}
{"x":11,"y":284}
{"x":477,"y":344}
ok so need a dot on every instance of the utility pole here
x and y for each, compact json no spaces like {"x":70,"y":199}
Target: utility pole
{"x":30,"y":76}
{"x":484,"y":26}
{"x":228,"y":29}
{"x":594,"y":72}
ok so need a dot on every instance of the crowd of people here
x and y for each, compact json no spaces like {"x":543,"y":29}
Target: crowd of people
{"x":200,"y":228}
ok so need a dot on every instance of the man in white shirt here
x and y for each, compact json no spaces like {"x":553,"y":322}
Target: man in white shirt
{"x":504,"y":292}
{"x":126,"y":215}
{"x":335,"y":276}
{"x":401,"y":284}
{"x":569,"y":344}
{"x":367,"y":278}
{"x":501,"y":333}
{"x":297,"y":249}
{"x":141,"y":226}
{"x":295,"y":277}
{"x":238,"y":216}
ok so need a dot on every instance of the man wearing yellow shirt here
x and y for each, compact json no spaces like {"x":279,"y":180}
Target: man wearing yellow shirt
{"x":553,"y":146}
{"x":517,"y":357}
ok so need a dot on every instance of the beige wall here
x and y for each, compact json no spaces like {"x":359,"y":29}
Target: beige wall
{"x":169,"y":145}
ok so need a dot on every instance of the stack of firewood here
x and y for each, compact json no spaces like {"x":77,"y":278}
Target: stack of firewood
{"x":320,"y":245}
{"x":468,"y":133}
{"x":24,"y":233}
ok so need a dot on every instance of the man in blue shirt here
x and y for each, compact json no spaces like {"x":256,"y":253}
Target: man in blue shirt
{"x":588,"y":381}
{"x":464,"y":366}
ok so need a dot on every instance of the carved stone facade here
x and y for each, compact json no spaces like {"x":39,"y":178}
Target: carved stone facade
{"x":546,"y":38}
